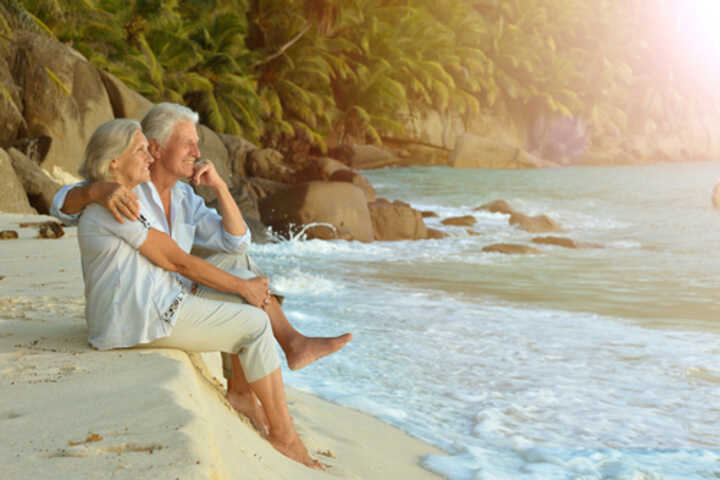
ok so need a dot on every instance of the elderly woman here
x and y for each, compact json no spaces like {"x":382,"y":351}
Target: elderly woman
{"x":133,"y":299}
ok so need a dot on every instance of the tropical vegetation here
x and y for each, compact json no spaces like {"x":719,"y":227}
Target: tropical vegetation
{"x":293,"y":73}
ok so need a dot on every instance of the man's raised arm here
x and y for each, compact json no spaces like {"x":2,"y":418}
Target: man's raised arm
{"x":71,"y":200}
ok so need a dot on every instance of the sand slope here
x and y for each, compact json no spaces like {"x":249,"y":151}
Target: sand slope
{"x":69,"y":412}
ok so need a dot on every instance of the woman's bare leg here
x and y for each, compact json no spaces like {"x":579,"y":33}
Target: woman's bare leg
{"x":244,"y":400}
{"x":283,"y":437}
{"x":300,"y":350}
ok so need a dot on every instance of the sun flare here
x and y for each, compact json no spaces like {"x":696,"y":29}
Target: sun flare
{"x":697,"y":25}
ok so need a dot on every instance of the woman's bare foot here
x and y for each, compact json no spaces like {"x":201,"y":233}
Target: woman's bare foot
{"x":247,"y":404}
{"x":305,"y":350}
{"x":294,"y":449}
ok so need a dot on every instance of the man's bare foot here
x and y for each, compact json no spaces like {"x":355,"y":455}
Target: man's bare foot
{"x":305,"y":350}
{"x":247,"y":404}
{"x":294,"y":449}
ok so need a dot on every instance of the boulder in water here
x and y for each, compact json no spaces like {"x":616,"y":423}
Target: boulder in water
{"x":497,"y":206}
{"x":464,"y":221}
{"x":537,"y":224}
{"x":396,"y":221}
{"x":510,"y":248}
{"x":339,"y":204}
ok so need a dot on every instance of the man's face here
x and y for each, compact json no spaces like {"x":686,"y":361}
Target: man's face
{"x":177,"y":157}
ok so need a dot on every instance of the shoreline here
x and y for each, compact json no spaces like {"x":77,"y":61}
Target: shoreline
{"x":69,"y":411}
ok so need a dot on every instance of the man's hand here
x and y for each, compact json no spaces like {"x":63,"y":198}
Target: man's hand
{"x":206,"y":174}
{"x":122,"y":202}
{"x":257,"y":292}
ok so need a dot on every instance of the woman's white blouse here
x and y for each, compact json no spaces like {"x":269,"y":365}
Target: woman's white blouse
{"x":128,"y":299}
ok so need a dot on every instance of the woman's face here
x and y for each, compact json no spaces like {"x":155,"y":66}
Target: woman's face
{"x":133,"y":166}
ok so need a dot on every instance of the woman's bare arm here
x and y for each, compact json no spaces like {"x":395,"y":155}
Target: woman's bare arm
{"x":162,"y":250}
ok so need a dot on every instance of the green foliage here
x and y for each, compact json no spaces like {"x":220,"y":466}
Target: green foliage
{"x":290,"y":72}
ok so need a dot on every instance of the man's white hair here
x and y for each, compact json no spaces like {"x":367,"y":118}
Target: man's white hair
{"x":159,"y":122}
{"x":109,"y":141}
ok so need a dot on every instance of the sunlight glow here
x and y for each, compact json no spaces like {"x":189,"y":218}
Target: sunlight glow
{"x":697,"y":23}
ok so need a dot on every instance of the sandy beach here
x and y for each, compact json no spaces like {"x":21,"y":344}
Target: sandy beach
{"x":70,"y":412}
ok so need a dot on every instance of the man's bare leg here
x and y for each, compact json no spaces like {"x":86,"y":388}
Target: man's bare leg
{"x":282,"y":436}
{"x":244,"y":400}
{"x":300,"y":350}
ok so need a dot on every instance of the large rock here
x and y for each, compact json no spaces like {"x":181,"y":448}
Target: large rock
{"x":238,"y":150}
{"x":339,"y":204}
{"x":64,"y":98}
{"x":472,"y":151}
{"x":497,"y":206}
{"x":11,"y":106}
{"x":126,"y":103}
{"x":365,"y":157}
{"x":38,"y":185}
{"x":262,"y":187}
{"x":396,"y":221}
{"x":356,"y":179}
{"x":269,"y":163}
{"x":13,"y":198}
{"x":539,"y":223}
{"x":319,"y":168}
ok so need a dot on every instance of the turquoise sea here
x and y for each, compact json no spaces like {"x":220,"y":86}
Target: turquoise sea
{"x":591,"y":363}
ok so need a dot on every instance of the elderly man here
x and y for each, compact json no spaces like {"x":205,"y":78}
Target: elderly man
{"x":173,"y":207}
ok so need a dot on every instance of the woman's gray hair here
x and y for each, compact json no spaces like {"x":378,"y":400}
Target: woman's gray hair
{"x":160,"y":121}
{"x":109,"y":141}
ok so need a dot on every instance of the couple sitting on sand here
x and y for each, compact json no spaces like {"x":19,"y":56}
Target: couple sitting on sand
{"x":142,"y":286}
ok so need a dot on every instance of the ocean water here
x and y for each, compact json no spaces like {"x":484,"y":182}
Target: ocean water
{"x":591,"y":363}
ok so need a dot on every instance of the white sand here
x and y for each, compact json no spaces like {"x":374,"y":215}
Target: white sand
{"x":70,"y":412}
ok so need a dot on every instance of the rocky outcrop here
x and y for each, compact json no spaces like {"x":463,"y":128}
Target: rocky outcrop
{"x":11,"y":117}
{"x":269,"y":163}
{"x":472,"y":151}
{"x":325,"y":210}
{"x":366,"y":157}
{"x":356,"y":179}
{"x":510,"y":248}
{"x":13,"y":198}
{"x":38,"y":186}
{"x":238,"y":150}
{"x":126,"y":103}
{"x":63,"y":95}
{"x":396,"y":221}
{"x":319,"y":168}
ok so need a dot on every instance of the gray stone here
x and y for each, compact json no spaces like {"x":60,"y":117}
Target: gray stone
{"x":238,"y":150}
{"x":497,"y":206}
{"x":396,"y":221}
{"x":126,"y":103}
{"x":13,"y":198}
{"x":539,"y":223}
{"x":64,"y":98}
{"x":340,"y":205}
{"x":39,"y":187}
